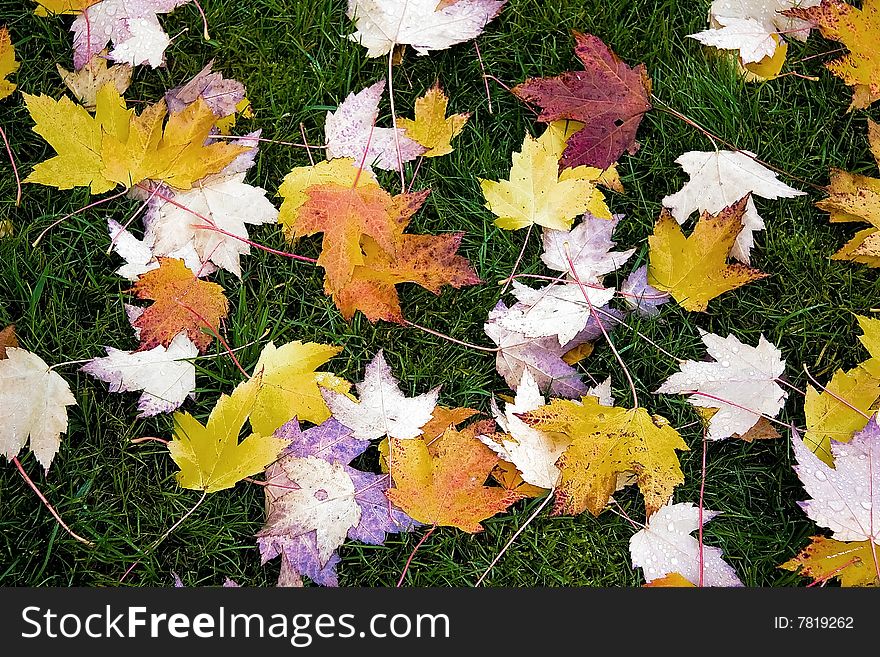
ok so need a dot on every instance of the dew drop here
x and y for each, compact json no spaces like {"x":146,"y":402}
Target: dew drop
{"x":725,"y":363}
{"x":837,"y":505}
{"x":865,"y":505}
{"x":670,"y":527}
{"x":820,"y":475}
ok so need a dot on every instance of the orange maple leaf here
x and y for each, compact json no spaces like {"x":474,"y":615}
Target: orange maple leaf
{"x":426,"y":260}
{"x":447,"y":489}
{"x":182,"y":303}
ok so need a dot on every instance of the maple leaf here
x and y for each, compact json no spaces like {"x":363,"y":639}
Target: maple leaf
{"x":423,"y":24}
{"x":533,"y":452}
{"x":858,"y":30}
{"x":33,"y":404}
{"x":226,"y":203}
{"x":351,"y":132}
{"x":824,"y":559}
{"x":829,"y":418}
{"x":608,"y":96}
{"x":752,"y":27}
{"x":210,"y":457}
{"x":844,"y":498}
{"x":117,"y":147}
{"x":382,"y":409}
{"x":536,"y":193}
{"x":140,"y":258}
{"x":672,"y":580}
{"x":853,"y":197}
{"x":7,"y":339}
{"x":606,"y":442}
{"x":719,"y":179}
{"x":292,"y":385}
{"x":743,"y":375}
{"x":665,"y":546}
{"x":165,"y":376}
{"x":640,"y":296}
{"x":131,"y":25}
{"x":585,"y":250}
{"x":221,"y":94}
{"x":8,"y":63}
{"x":182,"y":303}
{"x":85,"y":83}
{"x":694,"y":269}
{"x":554,"y":310}
{"x":58,"y":7}
{"x":870,"y":338}
{"x":431,"y":127}
{"x":430,"y":261}
{"x":446,"y":489}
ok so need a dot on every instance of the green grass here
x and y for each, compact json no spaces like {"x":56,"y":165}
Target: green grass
{"x":66,"y":301}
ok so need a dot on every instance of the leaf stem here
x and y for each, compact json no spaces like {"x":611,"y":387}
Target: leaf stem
{"x":14,"y":167}
{"x":409,"y":561}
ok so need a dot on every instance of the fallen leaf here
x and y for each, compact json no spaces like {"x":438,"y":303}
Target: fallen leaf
{"x":608,"y":96}
{"x":645,"y":299}
{"x":425,"y":25}
{"x":139,"y":257}
{"x":85,"y":83}
{"x":694,"y":269}
{"x":585,"y":250}
{"x":665,"y":546}
{"x":606,"y":442}
{"x":536,"y":193}
{"x":825,"y":559}
{"x":672,"y":580}
{"x":447,"y":489}
{"x":221,"y":94}
{"x":431,"y":127}
{"x":182,"y":303}
{"x":165,"y":376}
{"x":58,"y":7}
{"x":8,"y":63}
{"x":719,"y":179}
{"x":210,"y":457}
{"x":382,"y":409}
{"x":33,"y":405}
{"x":743,"y":375}
{"x":7,"y":339}
{"x":351,"y":132}
{"x":858,"y":30}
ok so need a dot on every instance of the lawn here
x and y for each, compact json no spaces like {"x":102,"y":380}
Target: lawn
{"x":66,"y":301}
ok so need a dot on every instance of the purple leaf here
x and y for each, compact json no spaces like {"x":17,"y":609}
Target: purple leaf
{"x":331,"y":441}
{"x":300,"y":557}
{"x":378,"y":516}
{"x":640,"y":296}
{"x":221,"y":94}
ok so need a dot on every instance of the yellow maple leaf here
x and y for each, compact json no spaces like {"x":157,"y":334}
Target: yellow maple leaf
{"x":291,"y":385}
{"x":431,"y":127}
{"x":672,"y":580}
{"x":871,"y":339}
{"x":58,"y":7}
{"x":85,"y":83}
{"x":340,"y":171}
{"x":226,"y":123}
{"x":607,"y":442}
{"x":830,"y":418}
{"x":769,"y":67}
{"x":859,"y":31}
{"x":694,"y":269}
{"x":118,"y":147}
{"x":8,"y":63}
{"x":825,"y":558}
{"x":210,"y":457}
{"x":536,"y":193}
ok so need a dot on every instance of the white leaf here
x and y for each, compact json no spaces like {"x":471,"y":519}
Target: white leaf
{"x":765,"y":12}
{"x":603,"y":393}
{"x":555,"y":310}
{"x":139,"y":256}
{"x":533,"y":452}
{"x":229,"y":204}
{"x":164,"y":376}
{"x":33,"y":403}
{"x":665,"y":546}
{"x":753,"y":40}
{"x":845,"y":498}
{"x":382,"y":24}
{"x":718,"y":179}
{"x":325,"y":503}
{"x":351,"y":131}
{"x":588,"y":245}
{"x":383,"y":409}
{"x":740,"y":374}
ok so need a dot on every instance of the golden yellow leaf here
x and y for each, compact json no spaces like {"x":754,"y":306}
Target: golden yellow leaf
{"x":291,"y":385}
{"x":506,"y":474}
{"x":672,"y":580}
{"x":829,"y":418}
{"x":824,"y":559}
{"x":210,"y":457}
{"x":536,"y":193}
{"x":431,"y":127}
{"x":227,"y":123}
{"x":8,"y":63}
{"x":576,"y":355}
{"x":340,"y":171}
{"x":694,"y":269}
{"x":769,"y":67}
{"x":57,"y":7}
{"x":871,"y":339}
{"x":606,"y":442}
{"x":85,"y":83}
